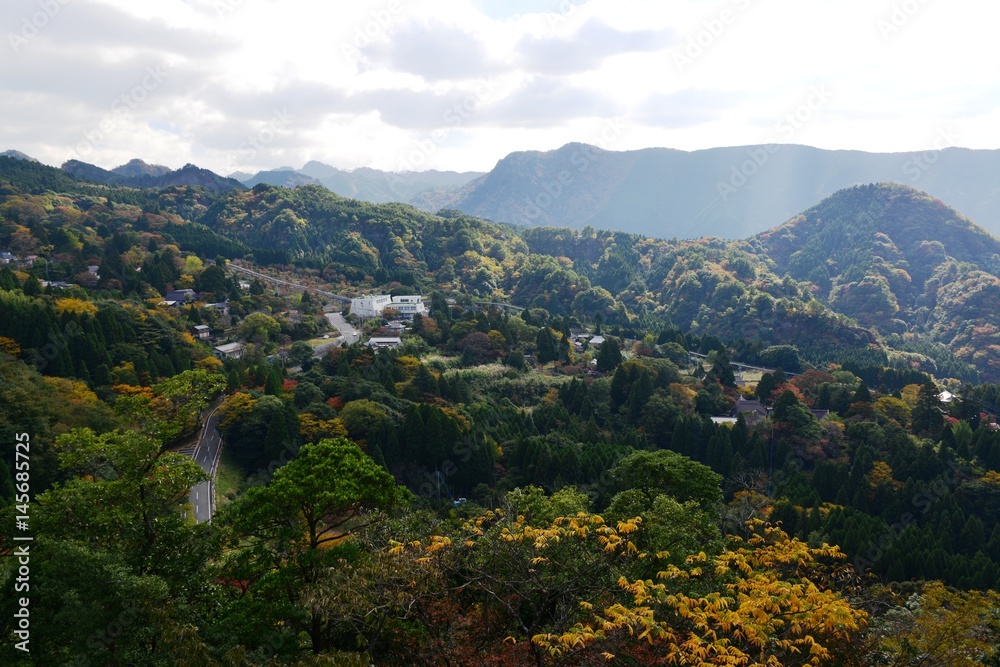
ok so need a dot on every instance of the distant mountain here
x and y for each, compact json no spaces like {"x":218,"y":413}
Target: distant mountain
{"x":18,"y":155}
{"x":286,"y":178}
{"x":137,"y":168}
{"x":727,"y":192}
{"x":426,"y":190}
{"x":90,"y":172}
{"x":132,"y":175}
{"x":376,"y":186}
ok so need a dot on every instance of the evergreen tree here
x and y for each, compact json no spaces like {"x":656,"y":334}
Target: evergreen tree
{"x":8,"y":281}
{"x":548,"y":349}
{"x":721,"y":367}
{"x":609,"y":356}
{"x":272,"y":384}
{"x":642,"y":389}
{"x":233,"y":381}
{"x":32,"y":287}
{"x":926,"y":417}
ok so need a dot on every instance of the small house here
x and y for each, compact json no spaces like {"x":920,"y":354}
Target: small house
{"x":202,"y":332}
{"x":229,"y":351}
{"x":180,"y":295}
{"x":384,"y":342}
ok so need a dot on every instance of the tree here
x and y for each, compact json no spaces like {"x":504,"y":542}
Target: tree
{"x":300,"y":353}
{"x":926,"y":417}
{"x":766,"y":614}
{"x":314,"y":501}
{"x":259,"y":328}
{"x":213,"y":279}
{"x":767,"y":384}
{"x":667,"y":472}
{"x":361,"y":417}
{"x":609,"y":356}
{"x":548,"y":349}
{"x":112,"y":548}
{"x":721,"y":367}
{"x":31,"y":286}
{"x":940,"y":627}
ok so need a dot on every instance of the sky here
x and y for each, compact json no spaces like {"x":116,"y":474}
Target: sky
{"x":409,"y":85}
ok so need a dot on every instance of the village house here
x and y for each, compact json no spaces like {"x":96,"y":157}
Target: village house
{"x":180,"y":295}
{"x":229,"y":351}
{"x":386,"y":342}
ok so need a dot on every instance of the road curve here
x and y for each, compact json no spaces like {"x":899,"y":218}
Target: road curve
{"x":206,"y":454}
{"x":346,"y":329}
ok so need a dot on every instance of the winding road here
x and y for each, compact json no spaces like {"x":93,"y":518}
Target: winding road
{"x":345,"y":328}
{"x":206,"y":454}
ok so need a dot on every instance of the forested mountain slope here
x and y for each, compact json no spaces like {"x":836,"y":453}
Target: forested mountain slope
{"x":899,"y":261}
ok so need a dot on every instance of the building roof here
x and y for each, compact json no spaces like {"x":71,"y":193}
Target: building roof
{"x":229,"y":347}
{"x":201,"y":327}
{"x":384,"y":341}
{"x":743,"y":406}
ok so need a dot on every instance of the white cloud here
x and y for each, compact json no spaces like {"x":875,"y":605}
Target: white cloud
{"x":459,"y":85}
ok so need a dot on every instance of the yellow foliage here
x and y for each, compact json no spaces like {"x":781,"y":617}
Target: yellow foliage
{"x":208,"y":363}
{"x":74,"y":390}
{"x":762,"y":616}
{"x":78,"y":306}
{"x":235,"y":408}
{"x":409,"y":365}
{"x":9,"y":346}
{"x":314,"y":429}
{"x":881,"y":472}
{"x":132,"y":390}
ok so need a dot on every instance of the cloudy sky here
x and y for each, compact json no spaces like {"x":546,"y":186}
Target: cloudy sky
{"x":458,"y":84}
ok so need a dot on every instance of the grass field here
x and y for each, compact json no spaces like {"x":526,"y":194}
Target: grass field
{"x":228,"y":478}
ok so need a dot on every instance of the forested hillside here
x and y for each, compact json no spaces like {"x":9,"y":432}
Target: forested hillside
{"x":563,"y":462}
{"x":900,"y":262}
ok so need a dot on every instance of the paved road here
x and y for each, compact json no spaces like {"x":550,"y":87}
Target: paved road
{"x":206,"y":454}
{"x":346,"y":329}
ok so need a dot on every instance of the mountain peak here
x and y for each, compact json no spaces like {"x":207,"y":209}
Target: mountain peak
{"x":18,"y":155}
{"x":136,"y":168}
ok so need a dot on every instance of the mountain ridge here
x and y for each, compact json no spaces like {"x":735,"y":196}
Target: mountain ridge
{"x":139,"y":174}
{"x":731,"y":192}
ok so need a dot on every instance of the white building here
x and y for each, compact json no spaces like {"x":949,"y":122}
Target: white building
{"x":373,"y":306}
{"x":390,"y":342}
{"x":408,"y":306}
{"x":370,"y":306}
{"x":229,"y":351}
